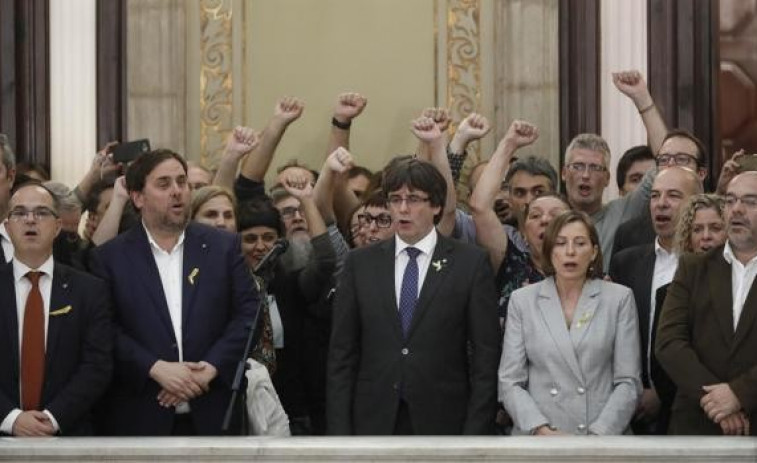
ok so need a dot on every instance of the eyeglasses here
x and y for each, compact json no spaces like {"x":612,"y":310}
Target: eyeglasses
{"x":411,"y":200}
{"x":38,"y":213}
{"x":749,"y":201}
{"x":581,"y":167}
{"x":676,"y":159}
{"x":289,"y":211}
{"x":383,"y":220}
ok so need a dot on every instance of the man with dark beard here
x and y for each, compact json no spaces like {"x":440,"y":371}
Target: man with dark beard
{"x":183,"y":302}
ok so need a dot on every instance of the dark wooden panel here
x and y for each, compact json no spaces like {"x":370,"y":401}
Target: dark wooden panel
{"x":111,"y":71}
{"x":8,"y":70}
{"x":33,"y":81}
{"x":579,"y":23}
{"x":24,"y":78}
{"x":683,"y":69}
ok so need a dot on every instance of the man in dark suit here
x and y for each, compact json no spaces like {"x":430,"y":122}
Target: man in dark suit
{"x":646,"y":268}
{"x":184,"y":302}
{"x":52,"y":375}
{"x":415,"y":340}
{"x":707,"y":336}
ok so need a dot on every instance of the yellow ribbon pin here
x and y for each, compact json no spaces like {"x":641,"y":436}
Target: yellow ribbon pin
{"x":195,"y":271}
{"x":62,"y":311}
{"x":584,"y":319}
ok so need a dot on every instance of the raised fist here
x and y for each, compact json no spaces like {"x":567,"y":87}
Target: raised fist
{"x":440,"y":117}
{"x":630,"y":83}
{"x":241,"y":141}
{"x":298,"y":185}
{"x":473,"y":127}
{"x":521,"y":134}
{"x":340,"y":160}
{"x":288,"y":109}
{"x":349,"y":106}
{"x":425,"y":129}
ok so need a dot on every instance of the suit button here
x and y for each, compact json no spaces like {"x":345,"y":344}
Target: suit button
{"x":582,"y":427}
{"x":553,"y":391}
{"x":405,"y":351}
{"x":396,"y":386}
{"x":581,"y":390}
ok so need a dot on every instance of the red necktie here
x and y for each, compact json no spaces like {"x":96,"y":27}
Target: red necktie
{"x":33,"y":346}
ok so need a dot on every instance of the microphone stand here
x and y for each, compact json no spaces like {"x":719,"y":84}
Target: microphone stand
{"x":238,"y":393}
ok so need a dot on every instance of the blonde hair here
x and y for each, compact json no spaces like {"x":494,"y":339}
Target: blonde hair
{"x":206,"y":193}
{"x":695,"y":203}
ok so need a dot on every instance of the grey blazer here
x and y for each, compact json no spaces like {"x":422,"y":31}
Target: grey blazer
{"x":586,"y":380}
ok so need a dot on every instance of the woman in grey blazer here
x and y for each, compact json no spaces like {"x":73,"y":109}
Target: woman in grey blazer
{"x":570,"y":362}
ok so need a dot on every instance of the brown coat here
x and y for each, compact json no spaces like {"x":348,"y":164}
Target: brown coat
{"x":696,"y":343}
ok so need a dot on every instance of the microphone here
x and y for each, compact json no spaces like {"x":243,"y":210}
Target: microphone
{"x":279,"y":247}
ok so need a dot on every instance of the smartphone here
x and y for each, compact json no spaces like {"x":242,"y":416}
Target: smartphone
{"x":748,"y":162}
{"x":127,"y":152}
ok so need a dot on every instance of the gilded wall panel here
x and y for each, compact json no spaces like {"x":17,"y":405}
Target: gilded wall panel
{"x":215,"y":78}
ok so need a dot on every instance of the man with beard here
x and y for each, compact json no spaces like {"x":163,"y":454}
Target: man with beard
{"x":707,"y":337}
{"x":183,"y":304}
{"x":647,"y":268}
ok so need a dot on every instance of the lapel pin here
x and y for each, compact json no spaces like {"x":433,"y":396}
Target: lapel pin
{"x":584,"y":319}
{"x":195,"y":271}
{"x":204,"y":245}
{"x":439,"y":264}
{"x":62,"y":311}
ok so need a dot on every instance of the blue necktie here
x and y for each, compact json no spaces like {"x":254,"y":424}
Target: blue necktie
{"x":409,"y":291}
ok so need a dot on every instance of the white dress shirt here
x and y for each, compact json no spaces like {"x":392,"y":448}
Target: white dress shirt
{"x":23,"y":286}
{"x":5,"y":241}
{"x":170,"y":267}
{"x":426,"y":245}
{"x":665,"y":266}
{"x":742,"y":277}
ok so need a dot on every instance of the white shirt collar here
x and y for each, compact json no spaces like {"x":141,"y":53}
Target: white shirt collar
{"x":730,"y":257}
{"x":426,"y":244}
{"x":154,"y":243}
{"x":20,"y":269}
{"x":660,"y":251}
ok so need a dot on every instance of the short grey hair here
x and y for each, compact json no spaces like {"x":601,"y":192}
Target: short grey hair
{"x":67,"y":199}
{"x":591,"y":142}
{"x":8,"y":158}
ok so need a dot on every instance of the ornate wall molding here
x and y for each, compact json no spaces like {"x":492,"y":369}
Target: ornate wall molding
{"x":463,"y":60}
{"x":215,"y":78}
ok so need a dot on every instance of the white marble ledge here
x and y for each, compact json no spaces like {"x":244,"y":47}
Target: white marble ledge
{"x":378,"y":449}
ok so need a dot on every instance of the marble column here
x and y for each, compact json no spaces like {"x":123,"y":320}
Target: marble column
{"x":624,"y":47}
{"x":73,"y":116}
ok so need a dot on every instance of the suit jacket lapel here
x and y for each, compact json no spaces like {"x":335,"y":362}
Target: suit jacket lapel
{"x":434,"y":277}
{"x":551,"y":311}
{"x":385,"y":275}
{"x":645,"y":287}
{"x":720,"y":291}
{"x":60,"y":297}
{"x":586,"y":311}
{"x":747,"y":318}
{"x":8,"y":311}
{"x":140,"y":253}
{"x":195,"y":252}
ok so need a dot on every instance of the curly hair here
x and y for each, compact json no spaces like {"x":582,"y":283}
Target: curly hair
{"x":695,"y":203}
